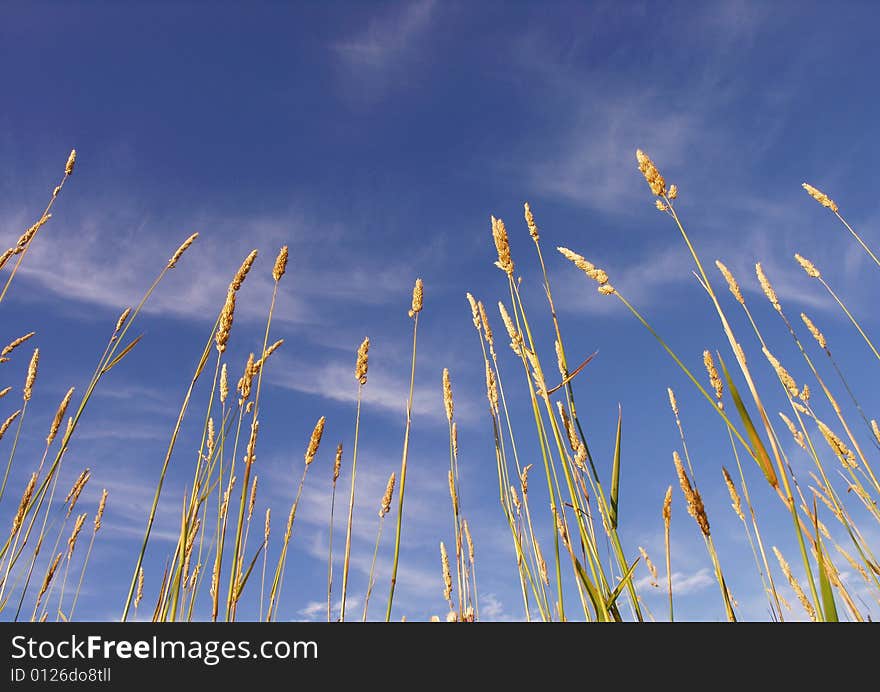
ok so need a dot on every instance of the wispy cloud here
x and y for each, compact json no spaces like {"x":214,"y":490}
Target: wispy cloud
{"x":386,"y":37}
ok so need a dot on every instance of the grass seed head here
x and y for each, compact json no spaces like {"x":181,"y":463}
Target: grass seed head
{"x":74,"y":535}
{"x":652,"y":175}
{"x":12,"y":345}
{"x":22,"y":506}
{"x":59,"y":416}
{"x":447,"y":575}
{"x":814,"y":330}
{"x":694,"y":501}
{"x":337,"y":464}
{"x":847,"y":458}
{"x":783,"y":374}
{"x":8,"y":422}
{"x":820,"y":197}
{"x":360,"y":368}
{"x":183,"y":248}
{"x":31,"y":375}
{"x":530,"y":222}
{"x":808,"y":266}
{"x":385,"y":507}
{"x":484,"y":320}
{"x":280,"y":264}
{"x":315,"y":440}
{"x":735,"y":500}
{"x":418,"y":298}
{"x":714,"y":377}
{"x":447,"y":395}
{"x":767,"y":287}
{"x":795,"y":433}
{"x":475,"y":314}
{"x":502,"y":245}
{"x":102,"y":505}
{"x":224,"y":384}
{"x":731,"y":282}
{"x":71,"y":162}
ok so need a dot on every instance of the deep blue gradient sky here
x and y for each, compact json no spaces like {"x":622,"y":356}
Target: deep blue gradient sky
{"x":376,"y":139}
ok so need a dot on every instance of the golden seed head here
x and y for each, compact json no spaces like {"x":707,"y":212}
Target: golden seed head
{"x":224,"y":384}
{"x":470,"y":542}
{"x":530,"y":222}
{"x":48,"y":578}
{"x":660,"y":205}
{"x":76,"y":490}
{"x":74,"y":535}
{"x":11,"y":346}
{"x":515,"y":338}
{"x":31,"y":375}
{"x":808,"y":266}
{"x":515,"y":497}
{"x":652,"y":568}
{"x":714,"y":377}
{"x":814,"y":330}
{"x":560,"y":527}
{"x":820,"y":197}
{"x":455,"y":438}
{"x":560,"y":360}
{"x":225,"y":504}
{"x":484,"y":319}
{"x":447,"y":395}
{"x":8,"y":422}
{"x":569,"y":429}
{"x":588,"y":268}
{"x":4,"y":258}
{"x":209,"y":436}
{"x":183,"y":248}
{"x":120,"y":322}
{"x":267,"y":524}
{"x":542,"y":564}
{"x":796,"y":587}
{"x":667,"y":507}
{"x":673,"y":192}
{"x":258,"y":365}
{"x":25,"y":501}
{"x":280,"y":264}
{"x":71,"y":162}
{"x":385,"y":507}
{"x":673,"y":402}
{"x":453,"y":495}
{"x":225,"y":326}
{"x":242,"y":272}
{"x":5,"y":391}
{"x":735,"y":500}
{"x":475,"y":315}
{"x":607,"y":290}
{"x":524,"y":479}
{"x":253,"y":498}
{"x":694,"y":501}
{"x":101,"y":507}
{"x":447,"y":575}
{"x":246,"y":379}
{"x":767,"y":287}
{"x":537,"y":372}
{"x":783,"y":374}
{"x":59,"y":416}
{"x":502,"y":245}
{"x":805,"y":393}
{"x":337,"y":464}
{"x":250,"y":453}
{"x":360,"y":368}
{"x":652,"y":175}
{"x":418,"y":298}
{"x":491,"y":388}
{"x":795,"y":433}
{"x":731,"y":282}
{"x":875,"y":429}
{"x":140,"y":588}
{"x":315,"y":440}
{"x":837,"y":445}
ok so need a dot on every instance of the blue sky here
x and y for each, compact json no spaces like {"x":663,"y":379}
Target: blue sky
{"x":375,"y":139}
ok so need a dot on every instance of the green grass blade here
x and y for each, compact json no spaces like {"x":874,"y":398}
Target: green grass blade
{"x":615,"y":472}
